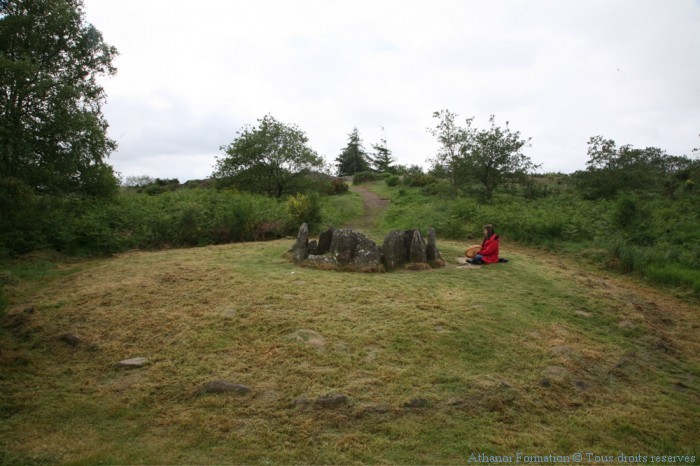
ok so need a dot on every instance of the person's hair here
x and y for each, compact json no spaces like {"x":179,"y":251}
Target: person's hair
{"x":489,"y":231}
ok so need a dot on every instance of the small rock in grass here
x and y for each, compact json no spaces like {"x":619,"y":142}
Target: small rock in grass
{"x":379,"y":409}
{"x":557,"y":373}
{"x":133,"y":362}
{"x":563,"y":350}
{"x":417,"y":403}
{"x":333,"y":400}
{"x":69,"y":339}
{"x":221,"y":386}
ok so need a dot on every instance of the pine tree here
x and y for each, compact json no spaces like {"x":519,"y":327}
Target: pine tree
{"x":353,"y":159}
{"x":383,"y":161}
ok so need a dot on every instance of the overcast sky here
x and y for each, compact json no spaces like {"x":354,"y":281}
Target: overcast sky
{"x":190,"y":74}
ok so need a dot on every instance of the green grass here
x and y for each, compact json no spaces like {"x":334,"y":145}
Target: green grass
{"x":339,"y":209}
{"x":476,"y":343}
{"x":631,"y":234}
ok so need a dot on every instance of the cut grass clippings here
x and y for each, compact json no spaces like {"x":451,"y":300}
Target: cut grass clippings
{"x":537,"y":356}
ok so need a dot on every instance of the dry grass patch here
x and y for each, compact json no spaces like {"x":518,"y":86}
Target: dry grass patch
{"x":524,"y":356}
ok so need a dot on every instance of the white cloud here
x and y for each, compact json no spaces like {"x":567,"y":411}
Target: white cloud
{"x":190,"y":75}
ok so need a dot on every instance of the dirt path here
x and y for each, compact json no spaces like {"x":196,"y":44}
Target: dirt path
{"x":374,"y":205}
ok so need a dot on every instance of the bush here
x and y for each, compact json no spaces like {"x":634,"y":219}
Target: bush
{"x":338,"y":186}
{"x":364,"y":177}
{"x":418,"y":180}
{"x":392,"y":180}
{"x":304,"y":208}
{"x":440,"y":188}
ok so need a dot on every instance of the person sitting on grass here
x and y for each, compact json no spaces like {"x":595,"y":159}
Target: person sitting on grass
{"x":488,"y":254}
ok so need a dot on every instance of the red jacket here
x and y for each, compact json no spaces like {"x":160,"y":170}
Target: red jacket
{"x":489,"y":250}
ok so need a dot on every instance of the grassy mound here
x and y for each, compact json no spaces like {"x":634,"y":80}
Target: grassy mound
{"x":536,"y":356}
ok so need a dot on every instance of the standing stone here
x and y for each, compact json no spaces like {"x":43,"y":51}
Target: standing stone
{"x":343,"y":246}
{"x":300,"y":251}
{"x":431,"y":251}
{"x":393,"y":249}
{"x":313,"y":246}
{"x":417,"y":252}
{"x":368,"y":257}
{"x":324,"y":241}
{"x":407,"y":239}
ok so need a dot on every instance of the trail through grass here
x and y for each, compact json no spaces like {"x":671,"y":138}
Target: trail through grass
{"x":536,"y":356}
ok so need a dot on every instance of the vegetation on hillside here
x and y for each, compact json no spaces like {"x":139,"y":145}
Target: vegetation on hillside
{"x":656,"y":236}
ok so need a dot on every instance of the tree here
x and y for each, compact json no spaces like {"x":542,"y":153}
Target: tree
{"x":382,"y":160}
{"x":139,"y":181}
{"x":53,"y":133}
{"x":353,"y":159}
{"x":451,"y":138}
{"x":611,"y":169}
{"x":267,"y":158}
{"x":490,"y":157}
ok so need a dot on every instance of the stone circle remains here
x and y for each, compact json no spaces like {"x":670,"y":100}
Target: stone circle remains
{"x":344,"y":249}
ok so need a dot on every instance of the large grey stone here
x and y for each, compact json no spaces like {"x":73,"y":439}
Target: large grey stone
{"x":368,"y":257}
{"x":417,"y":253}
{"x":324,"y":241}
{"x":432,"y":253}
{"x":324,"y":261}
{"x":343,"y":245}
{"x":407,"y":239}
{"x":300,"y":251}
{"x":393,"y":250}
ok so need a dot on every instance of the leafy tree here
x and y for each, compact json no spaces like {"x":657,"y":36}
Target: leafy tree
{"x":53,"y":133}
{"x":353,"y":159}
{"x":268,"y":158}
{"x":138,"y":181}
{"x":490,"y":157}
{"x":451,"y":138}
{"x":611,"y":169}
{"x":382,"y":160}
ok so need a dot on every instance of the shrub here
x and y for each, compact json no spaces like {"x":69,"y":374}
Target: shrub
{"x":418,"y":180}
{"x":440,"y":188}
{"x":364,"y":177}
{"x":338,"y":186}
{"x":304,"y":208}
{"x":392,"y":180}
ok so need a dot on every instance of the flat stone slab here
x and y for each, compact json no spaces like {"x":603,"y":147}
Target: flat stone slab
{"x":417,"y":403}
{"x":331,"y":401}
{"x":556,"y":373}
{"x":133,"y":362}
{"x":221,"y":386}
